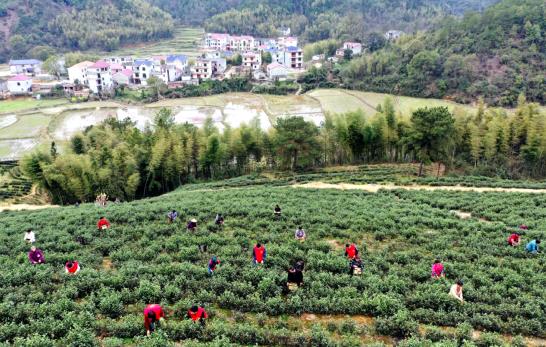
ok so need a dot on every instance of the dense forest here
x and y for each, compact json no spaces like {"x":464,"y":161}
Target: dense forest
{"x":496,"y":55}
{"x":40,"y":28}
{"x":117,"y":158}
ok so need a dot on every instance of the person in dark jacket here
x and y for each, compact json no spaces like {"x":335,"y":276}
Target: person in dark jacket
{"x":36,"y":256}
{"x":213,"y":263}
{"x":192,"y":225}
{"x":277,"y":211}
{"x":355,"y":266}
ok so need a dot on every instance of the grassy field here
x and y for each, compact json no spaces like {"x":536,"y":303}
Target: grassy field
{"x":143,"y":260}
{"x":27,"y":126}
{"x":184,"y":41}
{"x":340,"y":100}
{"x":19,"y":105}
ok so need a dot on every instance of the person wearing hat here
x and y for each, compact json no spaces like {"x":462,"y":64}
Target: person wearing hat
{"x":72,"y":267}
{"x":523,"y":227}
{"x":197,"y":313}
{"x":192,"y":224}
{"x":171,"y":216}
{"x":300,"y":234}
{"x":153,"y":315}
{"x":29,"y":236}
{"x":213,"y":262}
{"x":514,"y":239}
{"x":103,"y":223}
{"x":437,"y":270}
{"x":259,"y":254}
{"x":456,"y":291}
{"x":532,"y":246}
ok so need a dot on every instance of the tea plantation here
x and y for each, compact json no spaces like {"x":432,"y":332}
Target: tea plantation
{"x":142,"y":260}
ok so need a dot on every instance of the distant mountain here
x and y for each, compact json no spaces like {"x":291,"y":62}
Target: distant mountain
{"x":35,"y":28}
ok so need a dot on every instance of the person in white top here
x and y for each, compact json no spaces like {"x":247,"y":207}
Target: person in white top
{"x":456,"y":291}
{"x":29,"y":236}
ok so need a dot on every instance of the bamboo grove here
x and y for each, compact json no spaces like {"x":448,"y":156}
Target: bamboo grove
{"x":117,"y":158}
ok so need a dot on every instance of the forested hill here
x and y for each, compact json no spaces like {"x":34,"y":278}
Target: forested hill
{"x":496,"y":55}
{"x":36,"y":28}
{"x":316,"y":19}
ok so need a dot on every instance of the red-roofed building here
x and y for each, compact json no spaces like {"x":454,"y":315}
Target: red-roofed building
{"x":20,"y":84}
{"x":252,"y":60}
{"x":99,"y":77}
{"x":123,"y":77}
{"x":115,"y":68}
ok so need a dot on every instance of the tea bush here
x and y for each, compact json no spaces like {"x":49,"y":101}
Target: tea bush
{"x":142,"y":259}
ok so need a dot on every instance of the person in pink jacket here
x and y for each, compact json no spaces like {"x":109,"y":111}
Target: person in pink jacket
{"x":437,"y":269}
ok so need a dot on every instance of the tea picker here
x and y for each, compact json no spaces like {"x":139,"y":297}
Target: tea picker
{"x":192,"y":225}
{"x":259,"y":253}
{"x":219,"y":220}
{"x":351,"y":251}
{"x":72,"y":267}
{"x":171,"y":216}
{"x":437,"y":270}
{"x":36,"y":256}
{"x":300,"y":234}
{"x":103,"y":223}
{"x":532,"y":246}
{"x":197,"y":313}
{"x":29,"y":236}
{"x":213,"y":263}
{"x":355,"y":266}
{"x":514,"y":239}
{"x":277,"y":211}
{"x":295,"y":279}
{"x":153,"y":315}
{"x":456,"y":291}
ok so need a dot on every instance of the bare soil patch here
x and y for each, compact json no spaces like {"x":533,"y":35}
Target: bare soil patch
{"x":461,"y":214}
{"x":107,"y":263}
{"x":22,"y":207}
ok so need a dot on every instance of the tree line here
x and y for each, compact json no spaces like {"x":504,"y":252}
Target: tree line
{"x":117,"y":158}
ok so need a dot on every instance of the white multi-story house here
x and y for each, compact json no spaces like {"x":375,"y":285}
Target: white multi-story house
{"x":123,"y":60}
{"x":78,"y":72}
{"x":25,"y":66}
{"x":216,"y":41}
{"x":240,"y":43}
{"x":355,"y":47}
{"x":99,"y":77}
{"x":293,"y":58}
{"x":142,"y":70}
{"x":124,"y":77}
{"x":392,"y":35}
{"x":178,"y":60}
{"x":218,"y":65}
{"x":252,"y":60}
{"x":202,"y":69}
{"x":20,"y":84}
{"x":287,"y":41}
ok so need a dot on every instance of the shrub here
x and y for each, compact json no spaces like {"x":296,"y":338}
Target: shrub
{"x":399,"y":325}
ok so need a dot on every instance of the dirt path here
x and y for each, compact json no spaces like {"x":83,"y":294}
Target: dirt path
{"x":21,"y":207}
{"x":374,"y":188}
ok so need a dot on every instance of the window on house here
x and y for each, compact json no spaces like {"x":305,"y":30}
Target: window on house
{"x":18,"y":83}
{"x":143,"y":75}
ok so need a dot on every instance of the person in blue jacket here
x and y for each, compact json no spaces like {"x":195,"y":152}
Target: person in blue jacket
{"x":532,"y":246}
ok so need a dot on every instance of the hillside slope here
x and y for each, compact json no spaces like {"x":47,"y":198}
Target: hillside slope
{"x":142,"y":260}
{"x":37,"y":28}
{"x":495,"y":55}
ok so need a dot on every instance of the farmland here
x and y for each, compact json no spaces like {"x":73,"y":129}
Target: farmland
{"x":142,"y":259}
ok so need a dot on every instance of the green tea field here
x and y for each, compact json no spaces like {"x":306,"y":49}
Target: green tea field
{"x":142,"y":259}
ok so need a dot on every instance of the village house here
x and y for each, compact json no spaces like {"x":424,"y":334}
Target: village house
{"x":277,"y":56}
{"x":202,"y":69}
{"x":3,"y":88}
{"x":142,"y":70}
{"x":252,"y":60}
{"x":219,"y":66}
{"x":393,"y":35}
{"x":125,"y":61}
{"x":78,"y":73}
{"x":20,"y":85}
{"x":123,"y":77}
{"x":25,"y":66}
{"x":99,"y":77}
{"x":293,"y":58}
{"x":354,"y":47}
{"x":240,"y":43}
{"x":286,"y":42}
{"x":276,"y":71}
{"x":179,"y":61}
{"x":318,"y":57}
{"x":115,"y":68}
{"x":216,"y":41}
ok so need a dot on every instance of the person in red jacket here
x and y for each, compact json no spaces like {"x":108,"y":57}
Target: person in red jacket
{"x":103,"y":223}
{"x":197,"y":313}
{"x":513,"y":240}
{"x":351,"y":251}
{"x":153,"y":314}
{"x":72,"y":267}
{"x":259,"y":254}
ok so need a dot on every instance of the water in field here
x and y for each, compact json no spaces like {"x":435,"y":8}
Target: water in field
{"x":15,"y":149}
{"x":6,"y":121}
